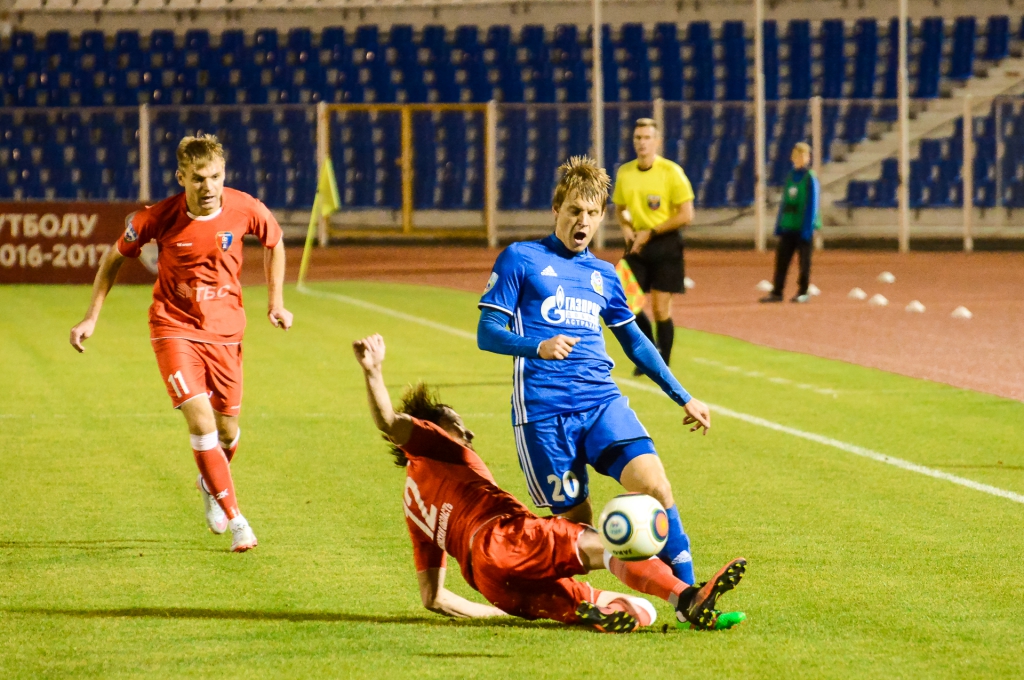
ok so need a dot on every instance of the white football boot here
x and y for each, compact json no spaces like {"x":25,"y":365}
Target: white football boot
{"x":242,"y":537}
{"x":215,"y":517}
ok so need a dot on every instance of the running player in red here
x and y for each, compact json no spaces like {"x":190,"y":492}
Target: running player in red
{"x":523,"y":564}
{"x":196,"y":320}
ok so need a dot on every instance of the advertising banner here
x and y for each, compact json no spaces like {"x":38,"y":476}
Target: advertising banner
{"x":58,"y":242}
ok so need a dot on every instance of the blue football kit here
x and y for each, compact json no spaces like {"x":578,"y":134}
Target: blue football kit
{"x":569,"y":413}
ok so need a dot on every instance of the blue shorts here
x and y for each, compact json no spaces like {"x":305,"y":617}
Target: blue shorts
{"x":554,"y":452}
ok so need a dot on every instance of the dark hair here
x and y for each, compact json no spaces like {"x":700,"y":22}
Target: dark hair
{"x":423,"y":403}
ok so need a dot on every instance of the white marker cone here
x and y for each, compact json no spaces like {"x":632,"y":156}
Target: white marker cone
{"x":886,"y":277}
{"x":688,"y":283}
{"x":915,"y":306}
{"x":857,"y":294}
{"x":962,"y":313}
{"x":878,"y":300}
{"x":765,"y":287}
{"x":813,"y":290}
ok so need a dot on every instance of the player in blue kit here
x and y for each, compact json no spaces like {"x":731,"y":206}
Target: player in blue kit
{"x":567,"y":412}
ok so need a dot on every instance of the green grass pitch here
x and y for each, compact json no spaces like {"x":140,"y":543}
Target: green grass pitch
{"x":857,"y":569}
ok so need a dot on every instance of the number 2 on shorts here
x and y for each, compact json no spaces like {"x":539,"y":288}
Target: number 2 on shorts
{"x":177,"y":382}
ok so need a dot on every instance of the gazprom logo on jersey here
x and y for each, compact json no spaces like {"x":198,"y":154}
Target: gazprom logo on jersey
{"x":571,"y":311}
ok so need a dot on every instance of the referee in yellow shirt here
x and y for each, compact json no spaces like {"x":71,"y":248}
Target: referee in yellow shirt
{"x":653,"y":201}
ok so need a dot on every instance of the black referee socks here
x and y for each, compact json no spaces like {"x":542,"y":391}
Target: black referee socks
{"x":645,"y":325}
{"x":666,"y":338}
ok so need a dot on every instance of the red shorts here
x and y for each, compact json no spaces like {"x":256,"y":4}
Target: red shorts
{"x":190,"y":369}
{"x":524,"y":566}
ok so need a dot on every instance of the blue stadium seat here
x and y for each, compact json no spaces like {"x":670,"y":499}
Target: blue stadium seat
{"x":799,"y":39}
{"x":866,"y":59}
{"x":666,"y":40}
{"x":930,"y":57}
{"x":833,"y":59}
{"x":961,"y":65}
{"x":734,"y":42}
{"x":699,"y":40}
{"x":997,"y":38}
{"x":771,"y":60}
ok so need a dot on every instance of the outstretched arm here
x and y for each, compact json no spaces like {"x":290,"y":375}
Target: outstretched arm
{"x":440,"y":600}
{"x":273,"y":267}
{"x":370,"y":354}
{"x":642,"y":352}
{"x":493,"y":336}
{"x":101,"y":285}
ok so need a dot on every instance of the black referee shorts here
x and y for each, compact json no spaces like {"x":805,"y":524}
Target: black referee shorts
{"x":659,"y":266}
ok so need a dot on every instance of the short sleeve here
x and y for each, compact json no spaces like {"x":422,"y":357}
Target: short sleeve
{"x":618,"y":195}
{"x":425,"y":552}
{"x":502,"y":291}
{"x":617,"y":312}
{"x":682,"y":190}
{"x":138,"y":231}
{"x":263,"y":225}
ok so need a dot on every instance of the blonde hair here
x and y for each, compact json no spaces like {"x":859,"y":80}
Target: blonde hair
{"x":647,"y":122}
{"x":581,"y":174}
{"x":802,"y":147}
{"x":198,"y":151}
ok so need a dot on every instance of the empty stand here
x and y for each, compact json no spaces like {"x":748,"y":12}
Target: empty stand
{"x":257,"y":92}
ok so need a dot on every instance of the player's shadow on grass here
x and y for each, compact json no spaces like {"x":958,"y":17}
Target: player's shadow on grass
{"x":109,"y":544}
{"x":260,"y":615}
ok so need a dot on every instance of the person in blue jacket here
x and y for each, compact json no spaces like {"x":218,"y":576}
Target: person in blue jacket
{"x":799,"y":217}
{"x":567,"y":412}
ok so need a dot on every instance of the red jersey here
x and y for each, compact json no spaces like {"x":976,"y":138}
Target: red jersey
{"x":449,"y":494}
{"x":197,"y":295}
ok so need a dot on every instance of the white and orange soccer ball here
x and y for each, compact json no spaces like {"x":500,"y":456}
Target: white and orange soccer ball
{"x":633,"y":526}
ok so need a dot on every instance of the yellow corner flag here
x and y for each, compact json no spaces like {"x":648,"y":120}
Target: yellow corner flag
{"x":635,"y":297}
{"x":326,"y":202}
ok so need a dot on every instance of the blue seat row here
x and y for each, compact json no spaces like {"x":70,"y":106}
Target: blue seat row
{"x":475,"y":64}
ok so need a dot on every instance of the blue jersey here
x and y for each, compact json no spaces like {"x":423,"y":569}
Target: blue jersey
{"x":549,"y":290}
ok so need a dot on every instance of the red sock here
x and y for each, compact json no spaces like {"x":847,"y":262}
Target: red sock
{"x":229,"y":451}
{"x":213,"y":466}
{"x":652,"y":577}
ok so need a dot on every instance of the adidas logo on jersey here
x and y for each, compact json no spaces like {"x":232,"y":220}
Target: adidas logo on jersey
{"x":548,"y":271}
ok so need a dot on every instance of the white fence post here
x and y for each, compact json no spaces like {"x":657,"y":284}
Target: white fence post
{"x":659,"y":118}
{"x":322,"y":132}
{"x":967,"y":174}
{"x":817,"y":146}
{"x":491,"y":174}
{"x":597,"y":99}
{"x":903,"y":230}
{"x":145,"y":190}
{"x":761,"y":188}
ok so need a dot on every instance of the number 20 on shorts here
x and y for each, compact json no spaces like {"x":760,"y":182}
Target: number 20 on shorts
{"x":567,"y":483}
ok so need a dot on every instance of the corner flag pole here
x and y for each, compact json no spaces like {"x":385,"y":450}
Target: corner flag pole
{"x":307,"y":249}
{"x":326,"y":202}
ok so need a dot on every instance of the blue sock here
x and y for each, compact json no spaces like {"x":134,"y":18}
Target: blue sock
{"x":676,"y":553}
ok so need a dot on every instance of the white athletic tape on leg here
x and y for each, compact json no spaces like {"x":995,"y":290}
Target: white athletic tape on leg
{"x":238,"y":435}
{"x":204,"y":442}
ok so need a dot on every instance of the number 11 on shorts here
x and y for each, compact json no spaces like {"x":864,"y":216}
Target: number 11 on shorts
{"x":177,"y":382}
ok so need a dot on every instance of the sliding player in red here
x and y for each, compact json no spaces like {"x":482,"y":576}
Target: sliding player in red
{"x":524,"y":565}
{"x":196,"y":320}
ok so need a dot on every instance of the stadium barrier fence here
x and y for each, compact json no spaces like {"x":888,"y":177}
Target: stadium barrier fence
{"x":486,"y":171}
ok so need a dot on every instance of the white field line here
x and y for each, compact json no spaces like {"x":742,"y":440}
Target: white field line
{"x":825,"y":391}
{"x":720,"y":410}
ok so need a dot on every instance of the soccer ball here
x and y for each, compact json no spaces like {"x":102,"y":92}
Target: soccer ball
{"x":633,"y":526}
